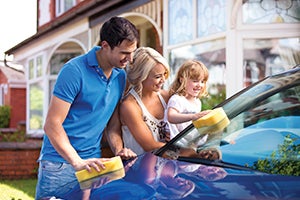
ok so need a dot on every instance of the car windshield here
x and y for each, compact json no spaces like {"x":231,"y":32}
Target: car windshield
{"x":264,"y":129}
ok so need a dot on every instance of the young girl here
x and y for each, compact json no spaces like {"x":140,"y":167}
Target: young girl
{"x":184,"y":106}
{"x":186,"y":90}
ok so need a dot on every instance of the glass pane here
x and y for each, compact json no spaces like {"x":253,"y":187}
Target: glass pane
{"x":212,"y":54}
{"x":51,"y":87}
{"x":263,"y":57}
{"x":264,"y":126}
{"x":271,"y":11}
{"x":39,"y":67}
{"x":180,"y":21}
{"x":211,"y":17}
{"x":58,"y":60}
{"x":36,"y":106}
{"x":68,"y":4}
{"x":31,"y":69}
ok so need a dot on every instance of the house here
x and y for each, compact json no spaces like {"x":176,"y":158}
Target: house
{"x":239,"y":41}
{"x":13,"y":93}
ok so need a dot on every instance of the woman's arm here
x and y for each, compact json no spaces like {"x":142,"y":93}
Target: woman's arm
{"x":131,"y":116}
{"x":114,"y":137}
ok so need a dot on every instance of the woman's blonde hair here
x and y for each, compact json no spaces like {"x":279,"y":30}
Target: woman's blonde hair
{"x":144,"y":60}
{"x":192,"y":69}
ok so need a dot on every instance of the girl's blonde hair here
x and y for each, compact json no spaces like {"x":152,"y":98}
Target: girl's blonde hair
{"x":144,"y":60}
{"x":192,"y":69}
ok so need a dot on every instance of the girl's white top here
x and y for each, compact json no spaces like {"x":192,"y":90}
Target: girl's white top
{"x":182,"y":105}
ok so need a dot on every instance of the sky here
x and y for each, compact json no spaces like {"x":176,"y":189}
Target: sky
{"x":17,"y":22}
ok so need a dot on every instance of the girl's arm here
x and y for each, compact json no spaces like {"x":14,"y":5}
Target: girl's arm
{"x":175,"y":117}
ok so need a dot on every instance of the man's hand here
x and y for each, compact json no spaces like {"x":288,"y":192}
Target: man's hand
{"x":88,"y":164}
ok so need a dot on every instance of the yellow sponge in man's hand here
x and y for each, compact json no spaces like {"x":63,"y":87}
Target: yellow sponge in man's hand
{"x":115,"y":163}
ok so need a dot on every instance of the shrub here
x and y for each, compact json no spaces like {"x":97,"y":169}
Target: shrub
{"x":4,"y":116}
{"x":284,"y":161}
{"x":17,"y":136}
{"x":214,"y":99}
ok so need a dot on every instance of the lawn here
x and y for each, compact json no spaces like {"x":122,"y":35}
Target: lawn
{"x":17,"y":189}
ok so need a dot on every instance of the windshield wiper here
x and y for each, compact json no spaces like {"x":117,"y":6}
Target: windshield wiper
{"x":217,"y":163}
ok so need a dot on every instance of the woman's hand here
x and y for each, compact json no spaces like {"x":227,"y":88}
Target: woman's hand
{"x":126,"y":154}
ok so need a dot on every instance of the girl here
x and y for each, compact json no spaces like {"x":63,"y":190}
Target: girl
{"x":186,"y":90}
{"x":184,"y":106}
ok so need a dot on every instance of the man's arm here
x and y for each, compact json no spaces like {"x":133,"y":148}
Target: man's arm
{"x":114,"y":137}
{"x":58,"y":110}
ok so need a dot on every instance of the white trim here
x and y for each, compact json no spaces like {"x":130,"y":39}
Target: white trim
{"x":166,"y":29}
{"x":17,"y":84}
{"x":47,"y":42}
{"x":54,"y":49}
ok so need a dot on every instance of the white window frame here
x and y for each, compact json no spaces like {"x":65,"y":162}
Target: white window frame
{"x":30,"y":82}
{"x":236,"y":32}
{"x":60,"y":6}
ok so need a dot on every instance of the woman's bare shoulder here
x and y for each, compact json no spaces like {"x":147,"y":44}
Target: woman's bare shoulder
{"x":130,"y":111}
{"x":129,"y":104}
{"x":165,"y":94}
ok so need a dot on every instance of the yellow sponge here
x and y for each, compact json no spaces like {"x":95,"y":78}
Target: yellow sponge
{"x":217,"y":127}
{"x":115,"y":163}
{"x":108,"y":177}
{"x":212,"y":118}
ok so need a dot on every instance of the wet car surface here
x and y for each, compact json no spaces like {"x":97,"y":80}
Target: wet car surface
{"x":260,"y":154}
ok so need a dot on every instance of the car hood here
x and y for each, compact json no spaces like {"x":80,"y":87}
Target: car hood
{"x":152,"y":177}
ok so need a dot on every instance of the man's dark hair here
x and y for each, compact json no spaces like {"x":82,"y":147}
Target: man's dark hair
{"x":117,"y":29}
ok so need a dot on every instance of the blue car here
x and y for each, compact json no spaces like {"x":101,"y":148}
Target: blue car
{"x":260,"y":154}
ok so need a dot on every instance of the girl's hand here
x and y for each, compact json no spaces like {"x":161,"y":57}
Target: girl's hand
{"x":200,"y":114}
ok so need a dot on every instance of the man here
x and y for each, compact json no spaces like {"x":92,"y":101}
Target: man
{"x":85,"y":97}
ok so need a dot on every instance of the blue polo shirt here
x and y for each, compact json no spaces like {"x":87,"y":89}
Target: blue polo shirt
{"x":93,"y":99}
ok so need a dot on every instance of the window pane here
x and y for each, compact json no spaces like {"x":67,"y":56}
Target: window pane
{"x":180,"y":21}
{"x":31,"y":69}
{"x":271,"y":11}
{"x":58,"y":60}
{"x":211,"y":17}
{"x":263,"y":57}
{"x":212,"y":54}
{"x":39,"y":66}
{"x":68,"y":4}
{"x":63,"y":5}
{"x":36,"y":106}
{"x":51,"y":87}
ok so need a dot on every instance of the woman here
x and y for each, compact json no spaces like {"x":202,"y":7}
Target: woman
{"x":142,"y":109}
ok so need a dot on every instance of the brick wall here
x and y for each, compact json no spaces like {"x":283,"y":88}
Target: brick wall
{"x":18,"y":160}
{"x":18,"y":106}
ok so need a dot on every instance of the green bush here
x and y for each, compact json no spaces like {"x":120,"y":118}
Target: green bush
{"x":17,"y":136}
{"x":214,"y":99}
{"x":4,"y":116}
{"x":284,"y":161}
